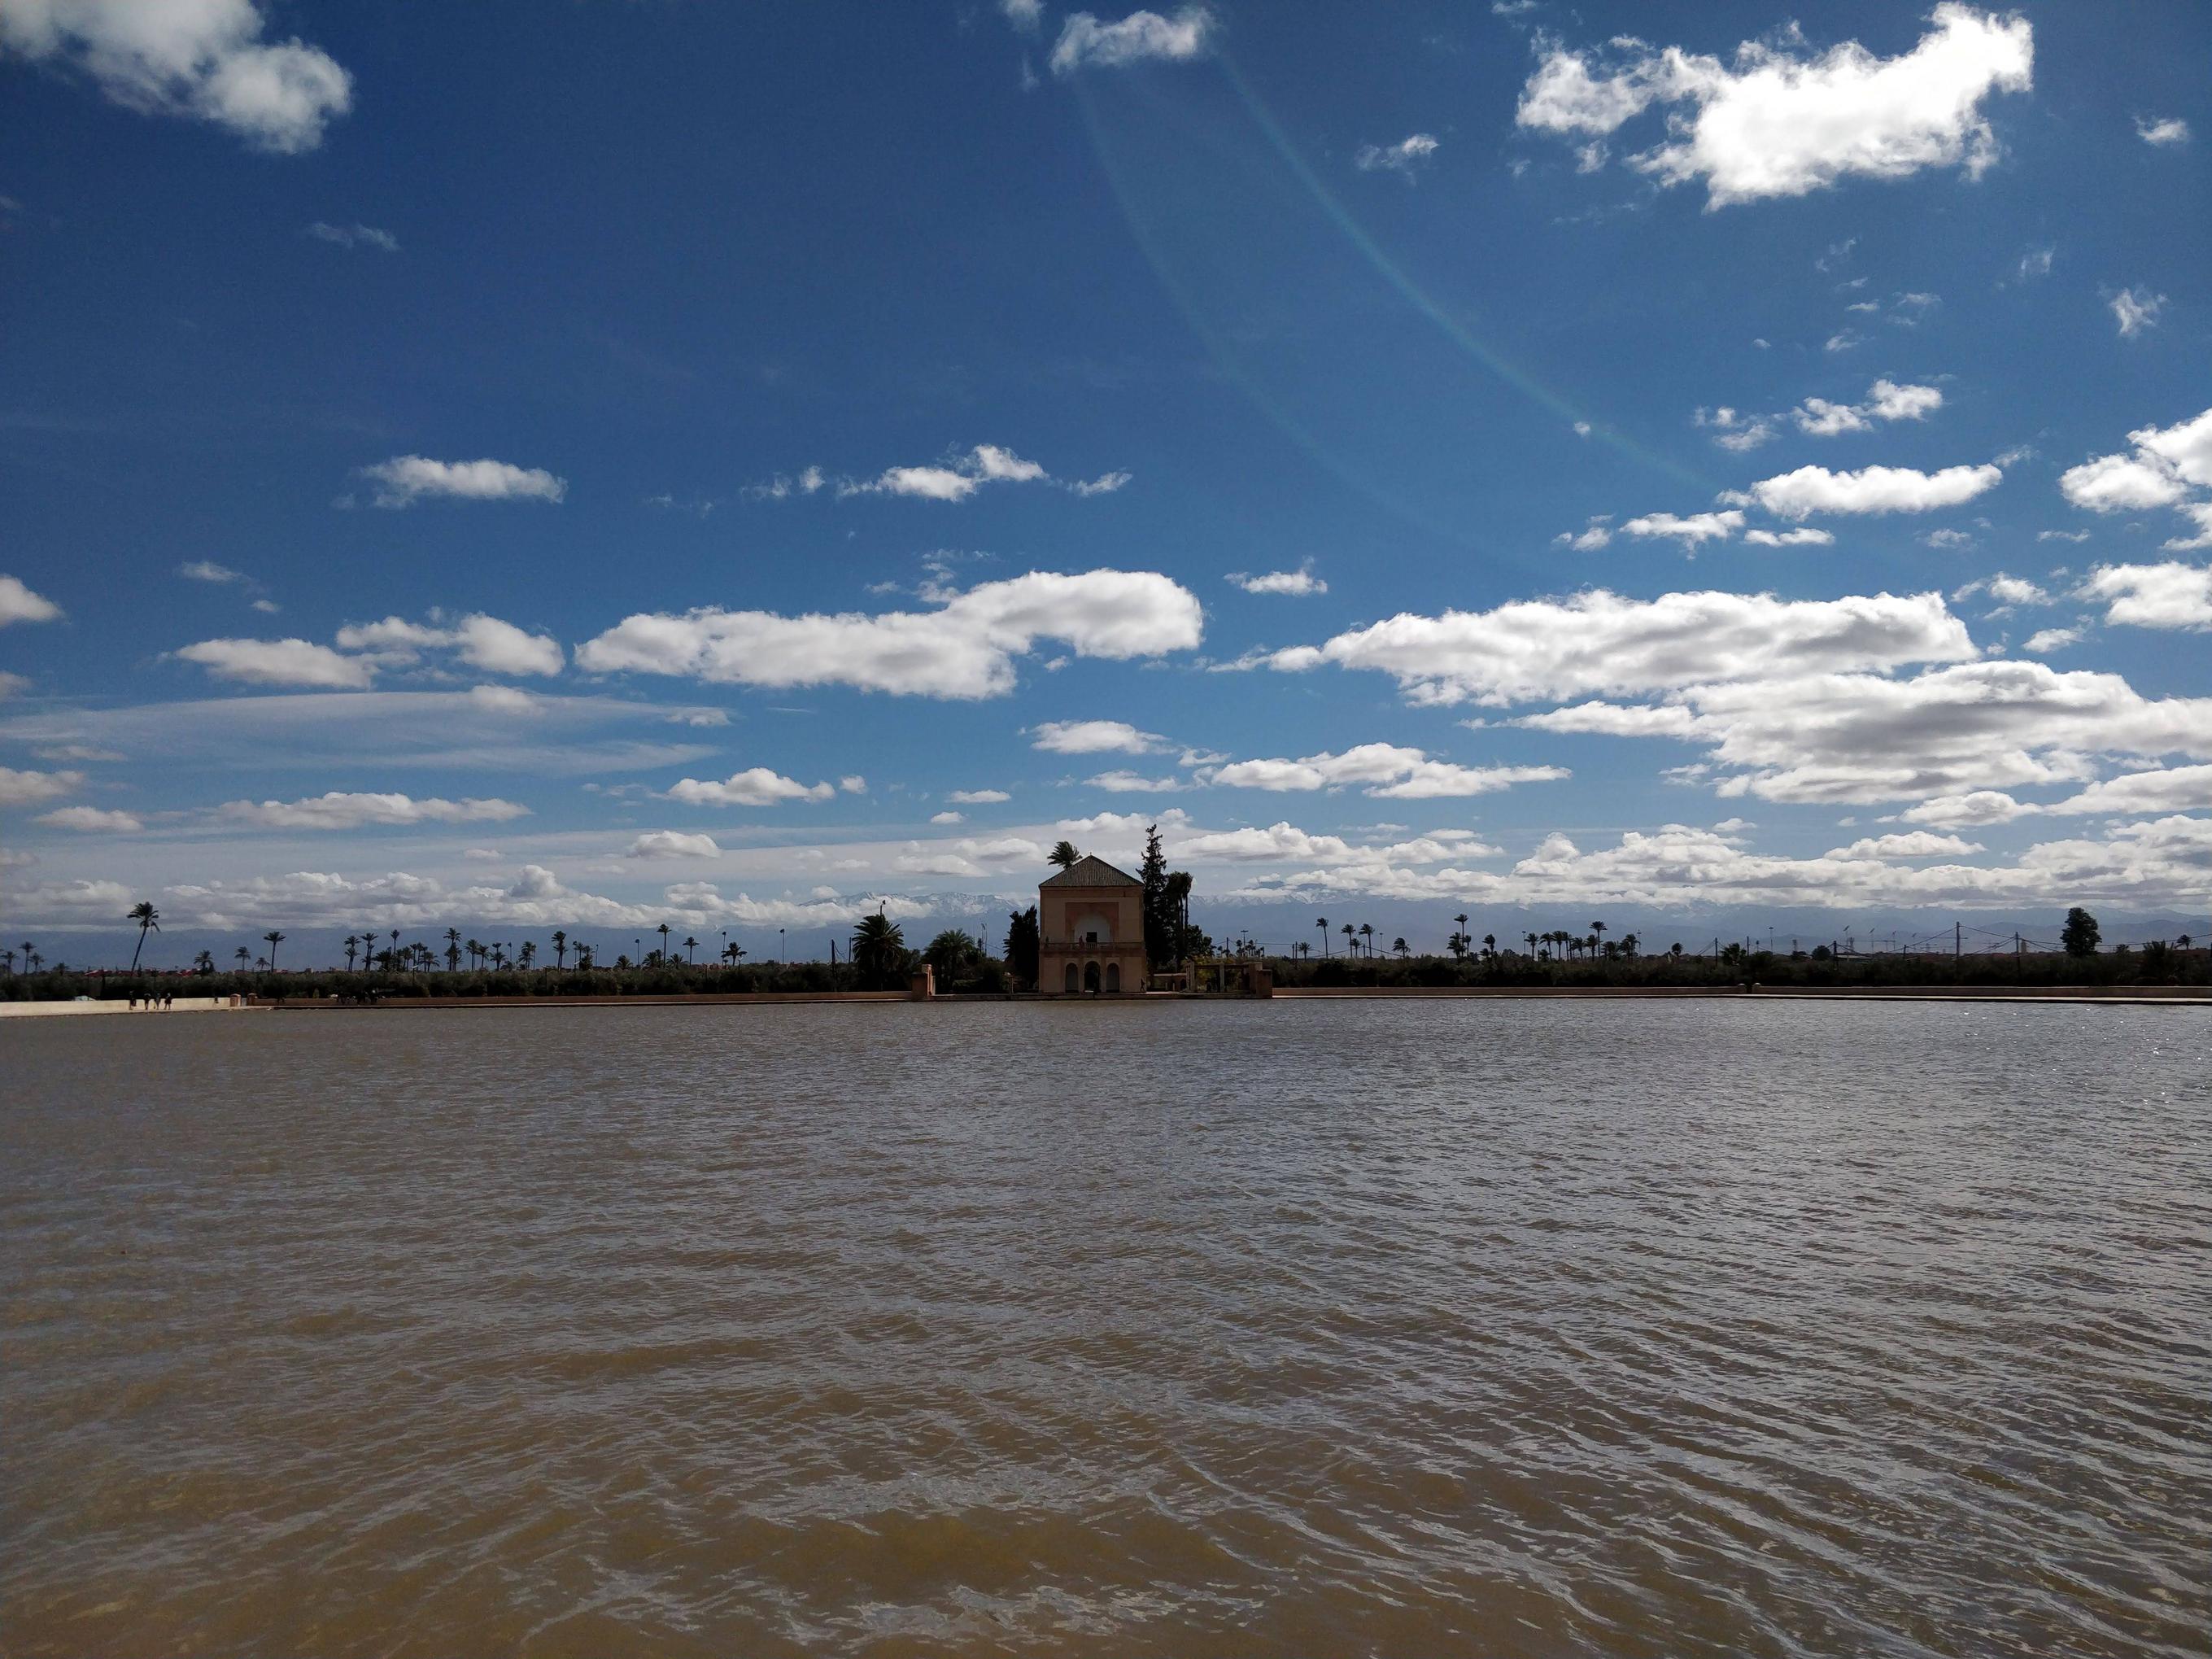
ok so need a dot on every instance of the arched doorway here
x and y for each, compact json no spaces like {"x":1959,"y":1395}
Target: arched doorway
{"x":1089,"y":976}
{"x":1114,"y":978}
{"x":1071,"y":979}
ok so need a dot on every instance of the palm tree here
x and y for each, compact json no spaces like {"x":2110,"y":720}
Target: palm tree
{"x":689,"y":946}
{"x":584,"y":958}
{"x":452,"y":950}
{"x":8,"y":956}
{"x":29,"y":951}
{"x":662,"y":931}
{"x":1367,"y":936}
{"x":389,"y":960}
{"x":31,"y":960}
{"x":1064,"y":855}
{"x":1350,"y":934}
{"x":368,"y":948}
{"x":1489,"y":945}
{"x":1401,"y":950}
{"x":1322,"y":923}
{"x":1597,"y":932}
{"x":351,"y":945}
{"x":731,"y":951}
{"x":877,"y":946}
{"x":149,"y":920}
{"x":559,"y":950}
{"x":1531,"y":938}
{"x":273,"y":939}
{"x":242,"y":955}
{"x":203,"y":964}
{"x":1460,"y":949}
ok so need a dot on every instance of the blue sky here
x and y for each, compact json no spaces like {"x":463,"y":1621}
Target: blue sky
{"x":582,"y":465}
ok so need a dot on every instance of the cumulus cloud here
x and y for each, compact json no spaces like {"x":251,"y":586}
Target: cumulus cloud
{"x":2171,"y":130}
{"x":964,"y":649}
{"x":1734,"y":431}
{"x":1811,"y":490}
{"x":673,"y":844}
{"x":1911,"y":844}
{"x":1024,"y":14}
{"x":1390,"y":772}
{"x":22,"y":788}
{"x":979,"y":797}
{"x":354,"y":236}
{"x":406,"y":479}
{"x":1823,"y":739}
{"x":1599,"y":643}
{"x":2047,"y":639}
{"x":1691,"y":530}
{"x":1122,"y":782}
{"x":1804,"y":535}
{"x":2168,"y":595}
{"x":203,"y":59}
{"x":1142,"y":36}
{"x":92,"y":819}
{"x":756,"y":786}
{"x":1885,"y":400}
{"x":343,"y":809}
{"x":2169,"y":467}
{"x":19,"y":604}
{"x":482,"y":641}
{"x":206,"y":570}
{"x":1403,"y":158}
{"x":1297,"y":584}
{"x":1776,"y":125}
{"x":1093,"y":737}
{"x":954,"y":479}
{"x":291,"y":662}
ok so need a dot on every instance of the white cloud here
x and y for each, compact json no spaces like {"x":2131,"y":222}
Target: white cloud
{"x":1774,"y":125}
{"x":2172,"y":130}
{"x":673,"y":844}
{"x":406,"y":479}
{"x":2036,"y":262}
{"x":948,"y":817}
{"x":1804,"y":535}
{"x":1024,"y":14}
{"x":853,"y":784}
{"x":206,"y":570}
{"x":2171,"y":466}
{"x":963,"y":649}
{"x":354,"y":236}
{"x":1911,"y":844}
{"x":1390,"y":771}
{"x":2168,"y":595}
{"x":1885,"y":400}
{"x":2181,"y":788}
{"x":199,"y":58}
{"x":339,"y":810}
{"x":1087,"y":43}
{"x":1844,"y":340}
{"x":1598,"y":534}
{"x":1691,"y":531}
{"x":92,"y":819}
{"x":1812,"y":489}
{"x":1972,"y":810}
{"x":21,"y":788}
{"x":1296,"y":584}
{"x":2046,"y":641}
{"x":278,"y":662}
{"x":18,"y":604}
{"x":954,"y":479}
{"x":1817,"y":738}
{"x":1598,"y":643}
{"x":979,"y":797}
{"x":2136,"y":309}
{"x":2008,"y":590}
{"x":1093,"y":737}
{"x":482,"y":641}
{"x":756,"y":786}
{"x":1402,"y":158}
{"x":1736,"y":432}
{"x":1122,"y":782}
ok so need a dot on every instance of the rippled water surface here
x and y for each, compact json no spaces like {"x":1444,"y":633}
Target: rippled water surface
{"x":1466,"y":1328}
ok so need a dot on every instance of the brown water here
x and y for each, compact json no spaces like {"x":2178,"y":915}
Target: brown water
{"x":1325,"y":1329}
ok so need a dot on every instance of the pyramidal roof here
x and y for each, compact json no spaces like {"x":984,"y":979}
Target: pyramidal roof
{"x":1092,"y":872}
